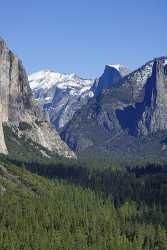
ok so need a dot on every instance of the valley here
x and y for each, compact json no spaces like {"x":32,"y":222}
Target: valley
{"x":83,"y":163}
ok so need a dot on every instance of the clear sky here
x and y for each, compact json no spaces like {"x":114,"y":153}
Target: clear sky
{"x":82,"y":36}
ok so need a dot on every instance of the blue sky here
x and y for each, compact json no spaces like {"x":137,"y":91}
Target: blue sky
{"x":83,"y":35}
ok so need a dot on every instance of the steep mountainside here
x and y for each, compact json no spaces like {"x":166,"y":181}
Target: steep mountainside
{"x":112,"y":75}
{"x":17,"y":108}
{"x":129,"y":120}
{"x":61,"y":94}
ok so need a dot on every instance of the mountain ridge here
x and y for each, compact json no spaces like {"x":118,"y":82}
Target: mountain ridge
{"x":60,"y":94}
{"x":64,"y":94}
{"x":92,"y":129}
{"x":112,"y":75}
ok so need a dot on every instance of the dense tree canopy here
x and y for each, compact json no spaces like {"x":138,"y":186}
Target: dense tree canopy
{"x":62,"y":213}
{"x":52,"y":203}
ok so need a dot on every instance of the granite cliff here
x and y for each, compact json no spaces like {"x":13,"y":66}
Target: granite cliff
{"x":112,"y":75}
{"x":18,"y":109}
{"x":128,"y":119}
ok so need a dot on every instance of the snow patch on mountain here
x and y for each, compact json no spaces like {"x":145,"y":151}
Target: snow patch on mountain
{"x":46,"y":79}
{"x":61,"y":94}
{"x":112,"y":74}
{"x":116,"y":66}
{"x":165,"y":62}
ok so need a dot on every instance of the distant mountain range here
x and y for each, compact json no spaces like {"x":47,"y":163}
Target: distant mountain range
{"x":64,"y":94}
{"x":121,"y":115}
{"x":128,"y":120}
{"x":61,"y":94}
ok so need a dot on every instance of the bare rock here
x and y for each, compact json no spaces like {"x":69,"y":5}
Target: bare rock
{"x":17,"y":106}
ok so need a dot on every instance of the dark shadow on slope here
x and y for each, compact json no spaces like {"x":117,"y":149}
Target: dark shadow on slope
{"x":130,"y":116}
{"x":146,"y":185}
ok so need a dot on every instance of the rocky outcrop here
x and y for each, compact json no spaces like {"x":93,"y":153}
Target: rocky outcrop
{"x":111,"y":76}
{"x":149,"y":100}
{"x":127,"y":119}
{"x":17,"y":106}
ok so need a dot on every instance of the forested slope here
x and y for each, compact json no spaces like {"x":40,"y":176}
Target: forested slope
{"x":38,"y":213}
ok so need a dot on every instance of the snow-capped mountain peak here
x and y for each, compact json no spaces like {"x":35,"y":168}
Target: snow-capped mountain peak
{"x":46,"y":79}
{"x":61,"y":94}
{"x":112,"y":74}
{"x":165,"y":62}
{"x":116,"y":66}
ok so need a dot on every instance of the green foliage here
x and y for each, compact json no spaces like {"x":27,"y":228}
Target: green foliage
{"x":36,"y":213}
{"x":24,"y":126}
{"x":89,"y":205}
{"x":25,"y":149}
{"x":19,"y":147}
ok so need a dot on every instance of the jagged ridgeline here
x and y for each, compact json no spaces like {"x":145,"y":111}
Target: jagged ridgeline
{"x":60,"y":94}
{"x":20,"y":114}
{"x":128,"y":120}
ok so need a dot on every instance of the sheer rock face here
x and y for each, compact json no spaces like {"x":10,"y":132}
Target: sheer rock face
{"x":117,"y":119}
{"x":148,"y":87}
{"x":17,"y":106}
{"x":159,"y":97}
{"x":111,"y":76}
